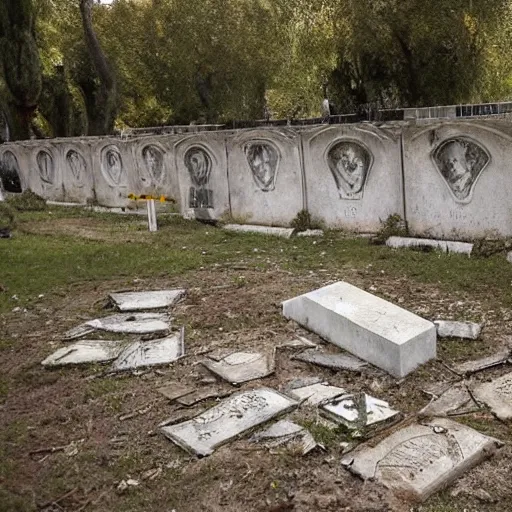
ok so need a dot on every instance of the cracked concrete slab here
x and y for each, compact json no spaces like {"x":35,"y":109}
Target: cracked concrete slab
{"x":234,"y":416}
{"x":358,"y":411}
{"x":240,"y":367}
{"x":141,"y":301}
{"x":419,"y":460}
{"x":85,"y":352}
{"x":497,"y":395}
{"x":124,"y":323}
{"x":331,"y":361}
{"x":315,"y":394}
{"x":286,"y":432}
{"x":455,"y":401}
{"x":150,"y":353}
{"x":470,"y":367}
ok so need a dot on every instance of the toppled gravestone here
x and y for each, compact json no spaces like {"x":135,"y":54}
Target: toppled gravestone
{"x":369,"y":327}
{"x":456,"y":400}
{"x":497,"y":395}
{"x":313,"y":394}
{"x":261,"y":230}
{"x":358,"y":411}
{"x":419,"y":460}
{"x":141,"y":301}
{"x":397,"y":242}
{"x":462,"y":330}
{"x":469,"y":367}
{"x":124,"y":323}
{"x":331,"y":361}
{"x":85,"y":352}
{"x":286,"y":432}
{"x":241,"y":412}
{"x":151,"y":353}
{"x":241,"y":367}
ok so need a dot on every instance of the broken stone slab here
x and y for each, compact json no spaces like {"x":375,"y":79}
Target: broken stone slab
{"x":85,"y":352}
{"x":311,"y":233}
{"x":262,"y":230}
{"x":203,"y":394}
{"x":302,"y":382}
{"x":367,"y":326}
{"x":174,"y":390}
{"x":232,"y":417}
{"x":286,"y":432}
{"x":420,"y":460}
{"x":470,"y":367}
{"x":124,"y":323}
{"x":455,"y":401}
{"x":358,"y":411}
{"x":242,"y":367}
{"x":78,"y":332}
{"x":509,"y":257}
{"x":140,"y":301}
{"x":298,"y":342}
{"x":332,"y":361}
{"x":463,"y":330}
{"x":315,"y":394}
{"x":398,"y":242}
{"x":150,"y":353}
{"x":497,"y":395}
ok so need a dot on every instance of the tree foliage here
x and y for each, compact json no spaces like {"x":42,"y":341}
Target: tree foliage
{"x":153,"y":62}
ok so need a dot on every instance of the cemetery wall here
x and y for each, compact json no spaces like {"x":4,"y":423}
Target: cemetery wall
{"x":447,"y":178}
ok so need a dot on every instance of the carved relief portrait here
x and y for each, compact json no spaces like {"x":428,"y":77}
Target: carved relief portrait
{"x":76,"y":165}
{"x":199,"y":165}
{"x":112,"y":165}
{"x":10,"y":173}
{"x":153,"y":158}
{"x":461,"y":161}
{"x":46,"y":167}
{"x":263,"y":159}
{"x":350,"y":164}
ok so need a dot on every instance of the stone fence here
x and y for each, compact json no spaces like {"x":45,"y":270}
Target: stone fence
{"x":448,"y":179}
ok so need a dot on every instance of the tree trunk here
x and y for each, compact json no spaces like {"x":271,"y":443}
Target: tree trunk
{"x":19,"y":57}
{"x":101,"y":106}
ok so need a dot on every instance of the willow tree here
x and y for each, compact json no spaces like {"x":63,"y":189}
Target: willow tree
{"x":19,"y":57}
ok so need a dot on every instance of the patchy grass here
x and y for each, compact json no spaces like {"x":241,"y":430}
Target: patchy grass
{"x":60,"y":266}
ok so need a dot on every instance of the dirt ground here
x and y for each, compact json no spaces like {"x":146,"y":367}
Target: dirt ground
{"x":66,"y":446}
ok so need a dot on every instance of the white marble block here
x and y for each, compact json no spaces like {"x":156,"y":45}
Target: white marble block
{"x":371,"y":328}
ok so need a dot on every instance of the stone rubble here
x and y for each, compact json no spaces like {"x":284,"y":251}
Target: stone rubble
{"x":462,"y":330}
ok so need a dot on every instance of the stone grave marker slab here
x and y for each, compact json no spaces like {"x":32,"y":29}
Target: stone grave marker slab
{"x":232,"y":417}
{"x":242,"y":367}
{"x":332,"y":361}
{"x":261,"y":230}
{"x":85,"y":352}
{"x":315,"y":394}
{"x":140,"y":301}
{"x":453,"y":402}
{"x":398,"y":242}
{"x":463,"y":330}
{"x":369,"y":327}
{"x":420,"y":460}
{"x":358,"y":411}
{"x":150,"y":353}
{"x":485,"y":363}
{"x":286,"y":432}
{"x":138,"y":323}
{"x":174,"y":390}
{"x":497,"y":395}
